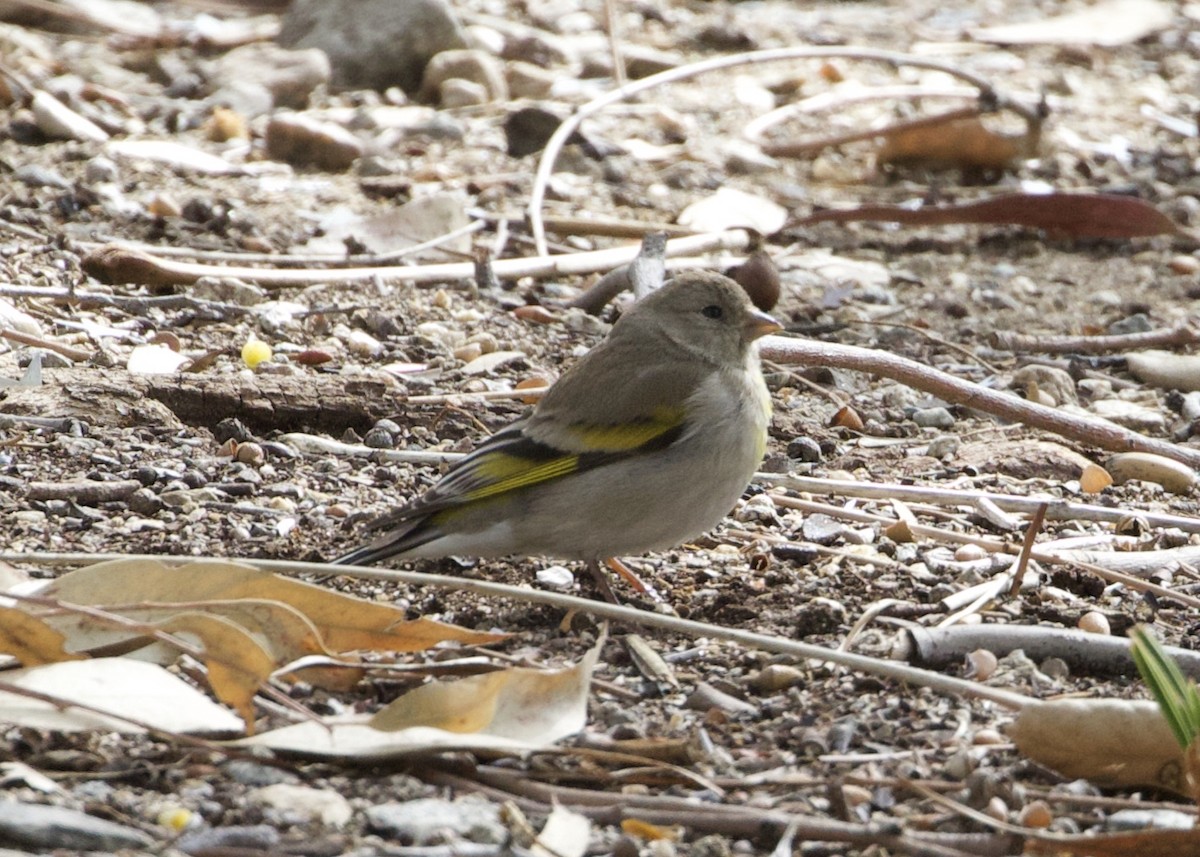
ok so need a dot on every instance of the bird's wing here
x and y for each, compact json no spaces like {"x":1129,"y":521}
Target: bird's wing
{"x":624,"y":416}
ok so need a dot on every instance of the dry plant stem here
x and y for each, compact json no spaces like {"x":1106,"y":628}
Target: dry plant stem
{"x":290,"y":258}
{"x":807,"y":148}
{"x":1035,"y":527}
{"x":612,"y":26}
{"x":1097,"y":432}
{"x":616,"y":613}
{"x":611,"y":228}
{"x":1090,"y":654}
{"x":76,"y":354}
{"x":837,"y":99}
{"x":570,"y":124}
{"x":539,"y":266}
{"x":1056,"y":510}
{"x":993,"y":545}
{"x":1182,"y":334}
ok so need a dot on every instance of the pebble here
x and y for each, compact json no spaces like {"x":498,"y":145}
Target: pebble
{"x":804,"y":449}
{"x":938,"y":418}
{"x":1130,"y":415}
{"x":235,"y":838}
{"x":250,"y":773}
{"x":943,"y":446}
{"x":100,"y":169}
{"x":362,"y":344}
{"x":555,"y":577}
{"x":54,"y":827}
{"x":57,"y":120}
{"x":776,"y":677}
{"x":486,"y":363}
{"x":373,"y":44}
{"x":430,"y":821}
{"x":302,"y":141}
{"x":706,"y":697}
{"x":1157,"y":819}
{"x":304,"y":803}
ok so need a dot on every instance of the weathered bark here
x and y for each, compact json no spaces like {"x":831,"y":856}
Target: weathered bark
{"x":264,"y":402}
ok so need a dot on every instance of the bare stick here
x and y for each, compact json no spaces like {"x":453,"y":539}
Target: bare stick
{"x":124,"y":265}
{"x":1057,"y":510}
{"x":1182,"y":334}
{"x":615,"y":612}
{"x":1096,"y":432}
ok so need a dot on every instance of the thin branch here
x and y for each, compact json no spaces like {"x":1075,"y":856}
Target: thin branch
{"x":1096,"y":432}
{"x":614,"y":612}
{"x":1185,"y":333}
{"x":122,"y":264}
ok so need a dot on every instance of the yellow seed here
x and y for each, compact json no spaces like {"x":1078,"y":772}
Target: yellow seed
{"x":254,"y":352}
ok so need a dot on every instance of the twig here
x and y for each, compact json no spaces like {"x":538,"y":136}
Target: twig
{"x":1056,"y":510}
{"x":1097,"y":432}
{"x":612,"y":26}
{"x":71,"y":353}
{"x":1185,"y":333}
{"x":839,"y":98}
{"x":1035,"y":526}
{"x":570,"y":124}
{"x":615,"y":612}
{"x":134,"y":305}
{"x":123,"y":263}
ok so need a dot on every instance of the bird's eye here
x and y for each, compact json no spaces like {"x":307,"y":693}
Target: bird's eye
{"x":712,"y":311}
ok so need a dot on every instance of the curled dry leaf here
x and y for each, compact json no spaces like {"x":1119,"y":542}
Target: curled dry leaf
{"x":1172,"y":475}
{"x":30,"y":640}
{"x":1109,"y":742}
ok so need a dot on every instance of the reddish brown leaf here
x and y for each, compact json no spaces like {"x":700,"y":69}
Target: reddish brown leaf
{"x":1075,"y":215}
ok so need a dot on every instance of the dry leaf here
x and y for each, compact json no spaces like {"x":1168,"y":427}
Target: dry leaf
{"x":30,"y":640}
{"x":958,"y":143}
{"x":519,"y":703}
{"x":121,"y":686}
{"x":1109,"y":742}
{"x":1074,"y":215}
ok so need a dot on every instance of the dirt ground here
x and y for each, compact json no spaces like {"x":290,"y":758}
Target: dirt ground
{"x":829,"y":742}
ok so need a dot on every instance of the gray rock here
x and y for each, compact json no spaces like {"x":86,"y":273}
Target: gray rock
{"x":49,"y":827}
{"x":289,"y":76}
{"x":373,"y":44}
{"x":938,"y":418}
{"x":429,"y":821}
{"x":478,"y":67}
{"x":457,"y":92}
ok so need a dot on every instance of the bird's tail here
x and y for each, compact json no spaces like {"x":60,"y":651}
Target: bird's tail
{"x":407,"y":536}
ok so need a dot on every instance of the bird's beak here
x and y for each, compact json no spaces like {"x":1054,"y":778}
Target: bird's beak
{"x":758,"y":323}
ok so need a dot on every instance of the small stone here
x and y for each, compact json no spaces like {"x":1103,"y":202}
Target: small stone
{"x":99,"y":169}
{"x":145,"y":502}
{"x":456,"y":92}
{"x":430,"y":821}
{"x":804,"y":449}
{"x":1095,"y":622}
{"x":477,"y":67}
{"x":1184,"y":264}
{"x":377,"y":438}
{"x":555,"y":577}
{"x":362,"y":344}
{"x":526,"y":80}
{"x":776,"y":677}
{"x":938,"y":418}
{"x":1036,"y":814}
{"x":301,"y":141}
{"x":46,"y":828}
{"x":706,"y":697}
{"x":57,"y":120}
{"x":250,"y":453}
{"x":943,"y":446}
{"x":308,"y":803}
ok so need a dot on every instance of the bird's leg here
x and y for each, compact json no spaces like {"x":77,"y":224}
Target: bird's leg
{"x":602,"y":583}
{"x":629,"y":576}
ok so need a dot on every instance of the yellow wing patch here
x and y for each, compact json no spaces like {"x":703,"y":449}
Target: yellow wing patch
{"x":622,"y":438}
{"x":500,"y":473}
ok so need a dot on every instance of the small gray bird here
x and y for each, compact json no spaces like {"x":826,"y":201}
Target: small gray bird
{"x":646,"y":442}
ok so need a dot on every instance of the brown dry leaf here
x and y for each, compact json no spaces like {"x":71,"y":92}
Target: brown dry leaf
{"x":1072,"y":215}
{"x":344,"y":623}
{"x":519,"y":703}
{"x":1143,"y":843}
{"x":847,"y":417}
{"x":957,"y":143}
{"x":30,"y":640}
{"x":1109,"y":742}
{"x":237,"y":664}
